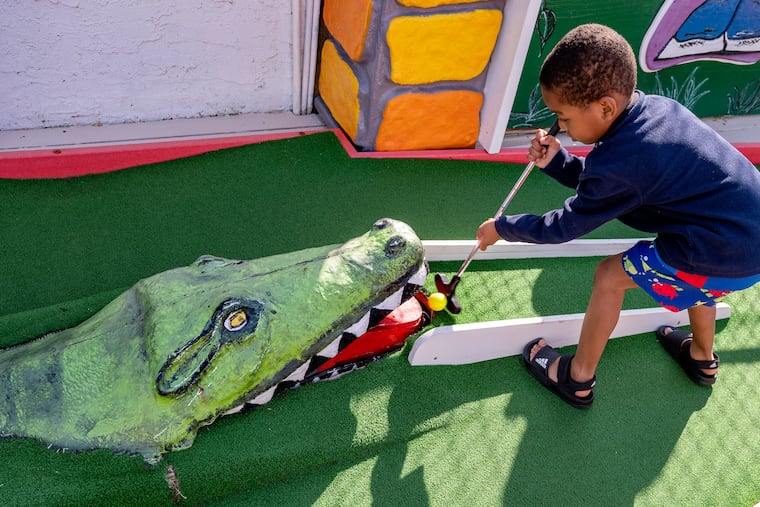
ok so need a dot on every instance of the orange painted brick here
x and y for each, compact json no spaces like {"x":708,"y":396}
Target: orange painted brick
{"x":339,"y":89}
{"x":348,"y":22}
{"x":421,"y":121}
{"x":439,"y":47}
{"x":426,"y":4}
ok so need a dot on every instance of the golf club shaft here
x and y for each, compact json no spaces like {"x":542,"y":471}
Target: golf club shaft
{"x":520,"y":181}
{"x":524,"y":176}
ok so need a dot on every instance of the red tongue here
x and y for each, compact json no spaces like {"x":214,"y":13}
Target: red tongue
{"x":389,"y":334}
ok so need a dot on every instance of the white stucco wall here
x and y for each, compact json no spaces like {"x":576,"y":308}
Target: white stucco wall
{"x":84,"y":62}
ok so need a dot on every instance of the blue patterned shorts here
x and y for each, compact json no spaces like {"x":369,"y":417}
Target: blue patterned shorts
{"x":673,"y":289}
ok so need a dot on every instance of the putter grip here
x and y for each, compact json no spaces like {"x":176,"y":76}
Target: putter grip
{"x":554,"y":130}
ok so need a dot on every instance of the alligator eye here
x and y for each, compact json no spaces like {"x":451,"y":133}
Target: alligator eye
{"x":236,"y":320}
{"x":394,"y":246}
{"x":381,"y":224}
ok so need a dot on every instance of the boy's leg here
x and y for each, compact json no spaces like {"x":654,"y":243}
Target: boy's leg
{"x":702,"y":321}
{"x":610,"y":283}
{"x":602,"y":314}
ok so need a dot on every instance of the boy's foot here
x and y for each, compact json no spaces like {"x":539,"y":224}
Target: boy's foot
{"x":553,"y":371}
{"x":677,"y":343}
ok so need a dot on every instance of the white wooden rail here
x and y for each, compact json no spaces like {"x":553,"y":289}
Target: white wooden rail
{"x":453,"y":250}
{"x":482,"y":341}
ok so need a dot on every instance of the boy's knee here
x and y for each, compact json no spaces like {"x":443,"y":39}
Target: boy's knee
{"x":606,"y":267}
{"x":610,"y":274}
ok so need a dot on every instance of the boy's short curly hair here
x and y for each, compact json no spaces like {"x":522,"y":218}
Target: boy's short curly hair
{"x":588,"y":63}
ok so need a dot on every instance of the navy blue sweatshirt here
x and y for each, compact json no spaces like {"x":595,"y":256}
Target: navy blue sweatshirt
{"x":659,"y":169}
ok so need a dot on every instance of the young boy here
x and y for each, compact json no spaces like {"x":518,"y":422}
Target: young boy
{"x":657,"y":168}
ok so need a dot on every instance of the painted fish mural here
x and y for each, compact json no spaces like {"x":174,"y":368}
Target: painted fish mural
{"x":185,"y":346}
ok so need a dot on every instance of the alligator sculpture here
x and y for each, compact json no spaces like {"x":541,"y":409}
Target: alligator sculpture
{"x":183,"y":347}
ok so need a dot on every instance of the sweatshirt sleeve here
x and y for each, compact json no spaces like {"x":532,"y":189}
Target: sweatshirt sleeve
{"x":597,"y":201}
{"x":565,"y":168}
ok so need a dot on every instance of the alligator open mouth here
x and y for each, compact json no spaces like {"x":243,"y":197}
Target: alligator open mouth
{"x":382,"y":330}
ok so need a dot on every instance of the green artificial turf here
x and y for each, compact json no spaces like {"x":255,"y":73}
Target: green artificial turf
{"x":390,"y":434}
{"x":73,"y":238}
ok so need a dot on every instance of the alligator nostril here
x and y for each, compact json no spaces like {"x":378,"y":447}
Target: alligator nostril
{"x":394,"y":246}
{"x":381,"y":224}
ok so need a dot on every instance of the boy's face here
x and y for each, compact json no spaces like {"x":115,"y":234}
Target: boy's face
{"x":584,"y":124}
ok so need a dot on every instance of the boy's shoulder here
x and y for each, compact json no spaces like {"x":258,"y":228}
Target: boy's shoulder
{"x":650,"y":124}
{"x":660,"y":112}
{"x":652,"y":103}
{"x":655,"y":122}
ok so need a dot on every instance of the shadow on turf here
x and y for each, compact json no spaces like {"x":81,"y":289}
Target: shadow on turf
{"x":610,"y":453}
{"x":604,"y":456}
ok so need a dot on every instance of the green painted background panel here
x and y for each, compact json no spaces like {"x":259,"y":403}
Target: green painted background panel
{"x":632,"y":19}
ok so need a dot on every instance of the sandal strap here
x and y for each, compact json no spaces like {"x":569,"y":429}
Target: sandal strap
{"x":545,"y":357}
{"x":678,"y":344}
{"x":706,"y":364}
{"x":701,"y":364}
{"x":565,"y":387}
{"x":563,"y":375}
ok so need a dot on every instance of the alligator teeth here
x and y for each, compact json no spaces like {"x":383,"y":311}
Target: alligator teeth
{"x":303,"y":374}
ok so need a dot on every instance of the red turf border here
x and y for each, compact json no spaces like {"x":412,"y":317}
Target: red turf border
{"x":69,"y":162}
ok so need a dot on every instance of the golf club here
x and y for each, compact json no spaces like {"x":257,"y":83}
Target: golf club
{"x":447,"y":287}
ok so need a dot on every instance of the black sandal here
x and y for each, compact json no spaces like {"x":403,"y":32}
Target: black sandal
{"x":678,"y":344}
{"x":565,"y":387}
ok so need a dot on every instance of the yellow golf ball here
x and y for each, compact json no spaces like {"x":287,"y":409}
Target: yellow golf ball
{"x":437,"y":301}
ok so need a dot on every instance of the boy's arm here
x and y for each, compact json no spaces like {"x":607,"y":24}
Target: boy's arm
{"x":549,"y":155}
{"x":597,"y":201}
{"x":565,"y":168}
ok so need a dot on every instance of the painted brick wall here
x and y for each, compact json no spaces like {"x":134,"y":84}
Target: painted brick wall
{"x":408,"y":74}
{"x":84,"y":62}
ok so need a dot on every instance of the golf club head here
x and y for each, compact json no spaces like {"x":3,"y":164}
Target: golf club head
{"x":453,"y":305}
{"x":447,"y":289}
{"x":442,"y":284}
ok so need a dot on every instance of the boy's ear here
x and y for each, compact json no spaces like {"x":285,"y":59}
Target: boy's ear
{"x":608,"y":106}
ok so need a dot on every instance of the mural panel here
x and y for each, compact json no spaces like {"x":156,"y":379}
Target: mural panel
{"x":702,"y":53}
{"x":688,"y":30}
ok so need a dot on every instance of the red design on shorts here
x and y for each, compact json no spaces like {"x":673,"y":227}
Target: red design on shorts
{"x":718,"y":293}
{"x":671,"y":308}
{"x":664,"y":290}
{"x":695,"y":280}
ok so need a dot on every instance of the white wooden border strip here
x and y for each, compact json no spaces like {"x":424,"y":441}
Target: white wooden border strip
{"x":472,"y":343}
{"x":457,"y":250}
{"x":505,"y":70}
{"x":305,"y":29}
{"x":297,"y":55}
{"x":310,"y":56}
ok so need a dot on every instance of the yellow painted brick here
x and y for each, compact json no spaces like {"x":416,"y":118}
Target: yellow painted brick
{"x":421,"y":121}
{"x":339,"y":89}
{"x":348,"y":22}
{"x":426,"y":4}
{"x":426,"y":49}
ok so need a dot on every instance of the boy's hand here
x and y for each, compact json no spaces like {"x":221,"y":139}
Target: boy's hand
{"x":487,"y":234}
{"x":543,"y":147}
